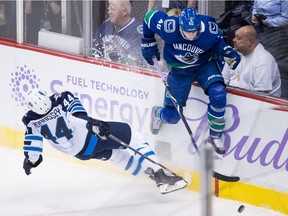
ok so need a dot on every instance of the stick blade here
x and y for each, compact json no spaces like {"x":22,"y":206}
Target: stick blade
{"x":225,"y":177}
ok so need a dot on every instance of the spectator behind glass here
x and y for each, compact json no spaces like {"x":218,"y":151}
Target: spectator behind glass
{"x":235,"y":16}
{"x":258,"y":70}
{"x":8,"y":19}
{"x":271,"y":21}
{"x":119,"y":37}
{"x":45,"y":15}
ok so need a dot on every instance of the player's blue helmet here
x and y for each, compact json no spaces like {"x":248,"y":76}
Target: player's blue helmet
{"x":189,"y":20}
{"x":38,"y":101}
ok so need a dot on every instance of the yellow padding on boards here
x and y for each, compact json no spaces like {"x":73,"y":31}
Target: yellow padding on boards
{"x":11,"y":138}
{"x":255,"y":195}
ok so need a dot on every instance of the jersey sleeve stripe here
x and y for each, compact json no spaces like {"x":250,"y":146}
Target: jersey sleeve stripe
{"x":148,"y":17}
{"x":74,"y":103}
{"x":33,"y":138}
{"x":77,"y":109}
{"x":31,"y":148}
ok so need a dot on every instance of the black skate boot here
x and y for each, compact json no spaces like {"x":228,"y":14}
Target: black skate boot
{"x":166,"y":183}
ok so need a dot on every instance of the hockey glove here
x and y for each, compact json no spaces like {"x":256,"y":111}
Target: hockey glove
{"x":150,"y":49}
{"x":28,"y":165}
{"x":100,"y":128}
{"x":231,"y":57}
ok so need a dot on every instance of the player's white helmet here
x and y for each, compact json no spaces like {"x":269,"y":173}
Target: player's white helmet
{"x":38,"y":101}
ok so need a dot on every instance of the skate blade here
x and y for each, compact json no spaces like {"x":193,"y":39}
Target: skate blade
{"x":166,"y":188}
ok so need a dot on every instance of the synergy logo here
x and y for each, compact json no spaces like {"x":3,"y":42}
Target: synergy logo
{"x":22,"y":80}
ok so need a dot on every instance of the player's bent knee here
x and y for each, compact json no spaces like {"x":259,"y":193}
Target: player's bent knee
{"x":170,"y":115}
{"x":217,"y":95}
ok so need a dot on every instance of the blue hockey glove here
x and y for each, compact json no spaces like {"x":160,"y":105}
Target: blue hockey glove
{"x":150,"y":49}
{"x":28,"y":165}
{"x":100,"y":128}
{"x":231,"y":57}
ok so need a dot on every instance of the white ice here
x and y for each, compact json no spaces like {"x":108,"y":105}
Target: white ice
{"x":64,"y":188}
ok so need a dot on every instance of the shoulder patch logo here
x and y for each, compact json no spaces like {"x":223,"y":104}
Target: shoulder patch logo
{"x":213,"y":28}
{"x":140,"y":29}
{"x":169,"y":25}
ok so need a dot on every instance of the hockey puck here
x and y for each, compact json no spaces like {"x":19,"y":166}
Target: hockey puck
{"x":241,"y":208}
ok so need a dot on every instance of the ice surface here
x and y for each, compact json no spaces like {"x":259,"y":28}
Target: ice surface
{"x":64,"y":188}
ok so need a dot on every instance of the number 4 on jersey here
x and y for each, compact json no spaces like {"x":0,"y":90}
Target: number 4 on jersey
{"x":61,"y":131}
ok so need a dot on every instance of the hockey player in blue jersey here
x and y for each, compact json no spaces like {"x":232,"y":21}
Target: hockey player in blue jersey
{"x":63,"y":122}
{"x":195,"y":51}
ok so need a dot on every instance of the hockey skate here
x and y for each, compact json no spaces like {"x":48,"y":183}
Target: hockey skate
{"x":166,"y":183}
{"x":217,"y":144}
{"x":155,"y":122}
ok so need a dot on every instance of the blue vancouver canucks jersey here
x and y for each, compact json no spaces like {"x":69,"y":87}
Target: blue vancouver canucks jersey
{"x":178,"y":51}
{"x":119,"y":45}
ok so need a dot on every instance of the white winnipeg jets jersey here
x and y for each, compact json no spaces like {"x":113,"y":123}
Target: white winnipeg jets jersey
{"x":64,"y":127}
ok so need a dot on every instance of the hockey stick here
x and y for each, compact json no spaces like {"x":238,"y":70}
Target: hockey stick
{"x":142,"y":155}
{"x":180,"y":111}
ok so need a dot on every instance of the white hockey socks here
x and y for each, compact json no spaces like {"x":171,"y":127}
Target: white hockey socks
{"x":133,"y":162}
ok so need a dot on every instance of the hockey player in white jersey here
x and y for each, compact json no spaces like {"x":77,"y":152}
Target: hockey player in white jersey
{"x":63,"y":122}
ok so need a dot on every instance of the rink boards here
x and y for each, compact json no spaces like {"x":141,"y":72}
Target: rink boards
{"x":256,"y":133}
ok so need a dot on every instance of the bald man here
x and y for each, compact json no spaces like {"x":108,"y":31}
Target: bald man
{"x":258,"y":70}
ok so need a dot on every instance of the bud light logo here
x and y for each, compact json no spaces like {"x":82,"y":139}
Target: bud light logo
{"x":22,"y":81}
